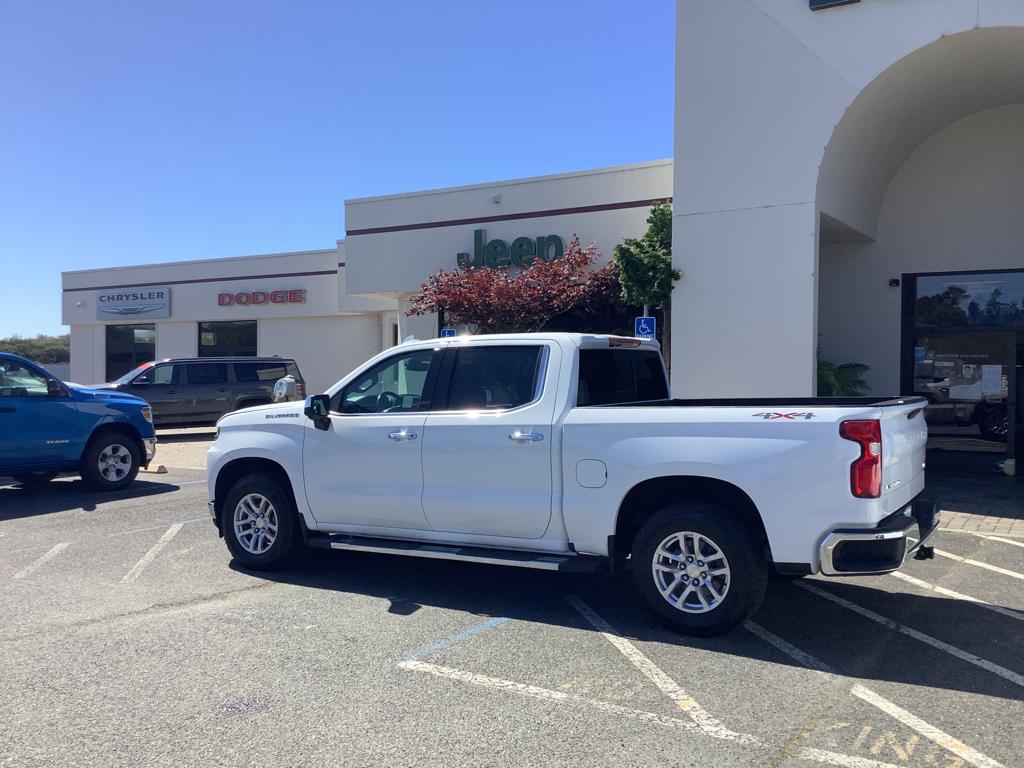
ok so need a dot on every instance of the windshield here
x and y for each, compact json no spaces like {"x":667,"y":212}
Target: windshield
{"x":132,"y":374}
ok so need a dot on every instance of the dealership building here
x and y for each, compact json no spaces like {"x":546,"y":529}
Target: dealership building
{"x":848,"y":177}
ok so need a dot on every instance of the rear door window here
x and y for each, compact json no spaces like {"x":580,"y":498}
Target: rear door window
{"x":493,"y":378}
{"x":249,"y":373}
{"x":610,"y":376}
{"x":207,"y":373}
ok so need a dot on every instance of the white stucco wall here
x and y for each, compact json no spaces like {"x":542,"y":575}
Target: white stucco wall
{"x":397,"y":262}
{"x":177,"y":339}
{"x":955,"y":204}
{"x":347,"y":327}
{"x":761,"y":85}
{"x":326,"y":348}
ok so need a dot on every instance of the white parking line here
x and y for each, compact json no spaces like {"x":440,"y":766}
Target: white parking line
{"x":546,"y":694}
{"x":542,"y":693}
{"x":989,"y":536}
{"x":835,"y":758}
{"x":665,"y":684}
{"x":39,"y":563}
{"x":958,"y":595}
{"x":943,"y":739}
{"x":952,"y":650}
{"x":1000,"y":538}
{"x":979,"y":564}
{"x":147,"y":558}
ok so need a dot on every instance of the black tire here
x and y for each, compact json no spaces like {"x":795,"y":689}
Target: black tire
{"x":746,"y":578}
{"x":993,"y":423}
{"x":287,"y":542}
{"x":122,"y":457}
{"x":35,"y":479}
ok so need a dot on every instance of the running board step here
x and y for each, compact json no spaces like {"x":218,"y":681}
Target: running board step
{"x":538,"y":560}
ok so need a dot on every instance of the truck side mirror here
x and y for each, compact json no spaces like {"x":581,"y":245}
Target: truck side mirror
{"x":55,"y":389}
{"x":317,"y":409}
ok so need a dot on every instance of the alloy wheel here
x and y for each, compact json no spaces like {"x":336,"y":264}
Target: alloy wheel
{"x":255,"y":523}
{"x":691,"y":572}
{"x":114,"y":463}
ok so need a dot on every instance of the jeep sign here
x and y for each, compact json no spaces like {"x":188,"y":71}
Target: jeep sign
{"x":131,"y":303}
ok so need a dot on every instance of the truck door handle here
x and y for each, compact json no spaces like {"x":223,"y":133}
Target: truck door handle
{"x":402,"y":436}
{"x":222,"y":389}
{"x":526,"y":437}
{"x":7,"y":409}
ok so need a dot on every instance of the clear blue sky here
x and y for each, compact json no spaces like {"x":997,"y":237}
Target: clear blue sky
{"x":135,"y":132}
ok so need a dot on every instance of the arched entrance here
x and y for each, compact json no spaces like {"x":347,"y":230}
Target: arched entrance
{"x":921,"y":236}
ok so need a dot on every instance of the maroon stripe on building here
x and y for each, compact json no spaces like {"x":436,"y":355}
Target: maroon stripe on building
{"x":510,"y":216}
{"x":202,"y":280}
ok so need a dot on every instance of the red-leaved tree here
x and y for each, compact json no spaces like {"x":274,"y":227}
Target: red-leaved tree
{"x":498,"y":301}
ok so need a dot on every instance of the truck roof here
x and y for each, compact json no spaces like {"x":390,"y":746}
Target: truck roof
{"x":575,"y":339}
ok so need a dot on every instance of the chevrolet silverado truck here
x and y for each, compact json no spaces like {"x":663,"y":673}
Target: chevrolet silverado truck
{"x":48,"y":426}
{"x":564,"y":452}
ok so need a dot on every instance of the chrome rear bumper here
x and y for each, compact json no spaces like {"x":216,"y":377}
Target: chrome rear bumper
{"x":883,"y":549}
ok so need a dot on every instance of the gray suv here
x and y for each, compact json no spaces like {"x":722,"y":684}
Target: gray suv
{"x":199,"y":390}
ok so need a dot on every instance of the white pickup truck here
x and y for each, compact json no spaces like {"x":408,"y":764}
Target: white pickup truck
{"x":564,"y":452}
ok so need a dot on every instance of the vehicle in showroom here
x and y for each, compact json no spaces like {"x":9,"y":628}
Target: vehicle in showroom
{"x":48,"y":426}
{"x":563,"y":452}
{"x":199,"y":390}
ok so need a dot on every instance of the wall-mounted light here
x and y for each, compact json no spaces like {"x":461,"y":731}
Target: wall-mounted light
{"x":894,"y":282}
{"x":496,"y":199}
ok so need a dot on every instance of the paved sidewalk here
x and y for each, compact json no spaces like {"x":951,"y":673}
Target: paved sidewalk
{"x":982,"y":503}
{"x":183,"y":448}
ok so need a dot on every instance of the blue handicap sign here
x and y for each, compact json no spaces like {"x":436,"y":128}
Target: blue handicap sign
{"x":644,"y":327}
{"x":446,"y":332}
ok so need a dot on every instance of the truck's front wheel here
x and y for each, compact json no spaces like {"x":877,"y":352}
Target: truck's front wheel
{"x":260,"y":523}
{"x":698,"y":569}
{"x":111,"y":461}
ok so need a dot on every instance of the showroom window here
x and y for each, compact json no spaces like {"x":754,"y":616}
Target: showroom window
{"x":228,"y":339}
{"x":128,"y":347}
{"x":963,"y":339}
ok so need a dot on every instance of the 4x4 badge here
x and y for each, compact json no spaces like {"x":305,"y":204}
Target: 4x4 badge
{"x":770,"y":415}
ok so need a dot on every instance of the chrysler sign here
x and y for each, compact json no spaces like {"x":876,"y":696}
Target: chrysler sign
{"x":131,"y":303}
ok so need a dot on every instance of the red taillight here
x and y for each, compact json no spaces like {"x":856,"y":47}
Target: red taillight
{"x":300,"y":390}
{"x":866,"y":471}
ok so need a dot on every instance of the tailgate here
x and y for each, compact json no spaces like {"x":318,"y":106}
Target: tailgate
{"x":904,"y":435}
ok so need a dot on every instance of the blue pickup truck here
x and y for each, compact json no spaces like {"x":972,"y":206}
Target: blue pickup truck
{"x":47,"y":427}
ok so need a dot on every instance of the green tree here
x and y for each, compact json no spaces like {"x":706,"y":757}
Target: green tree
{"x":645,"y":270}
{"x":42,"y":349}
{"x":843,"y":380}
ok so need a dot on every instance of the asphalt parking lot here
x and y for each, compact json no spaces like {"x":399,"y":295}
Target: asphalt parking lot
{"x":130,"y":639}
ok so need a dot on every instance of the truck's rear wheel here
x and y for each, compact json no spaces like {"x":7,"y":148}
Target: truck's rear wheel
{"x":698,"y":569}
{"x":260,"y":523}
{"x":111,"y":461}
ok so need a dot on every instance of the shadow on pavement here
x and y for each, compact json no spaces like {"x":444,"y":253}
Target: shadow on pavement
{"x":850,"y":644}
{"x":69,"y":494}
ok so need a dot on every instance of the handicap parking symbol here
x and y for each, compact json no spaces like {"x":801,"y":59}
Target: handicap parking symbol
{"x":644,"y":327}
